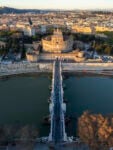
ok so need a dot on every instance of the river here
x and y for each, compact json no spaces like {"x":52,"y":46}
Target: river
{"x":23,"y":99}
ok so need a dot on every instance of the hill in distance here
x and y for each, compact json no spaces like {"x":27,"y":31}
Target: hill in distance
{"x":8,"y":10}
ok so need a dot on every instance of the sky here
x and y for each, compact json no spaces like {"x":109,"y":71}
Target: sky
{"x":58,"y":4}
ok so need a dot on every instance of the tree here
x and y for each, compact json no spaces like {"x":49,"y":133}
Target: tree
{"x":23,"y":52}
{"x":108,"y":50}
{"x":28,"y":132}
{"x":96,"y":130}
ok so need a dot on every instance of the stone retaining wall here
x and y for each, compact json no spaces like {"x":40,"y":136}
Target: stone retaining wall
{"x":87,"y":66}
{"x":47,"y":67}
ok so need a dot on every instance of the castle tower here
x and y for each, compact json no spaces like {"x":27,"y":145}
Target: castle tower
{"x":56,"y":43}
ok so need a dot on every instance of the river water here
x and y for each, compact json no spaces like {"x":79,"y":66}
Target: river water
{"x":24,"y":99}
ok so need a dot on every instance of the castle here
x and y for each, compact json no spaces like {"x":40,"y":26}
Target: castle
{"x":56,"y":43}
{"x":56,"y":46}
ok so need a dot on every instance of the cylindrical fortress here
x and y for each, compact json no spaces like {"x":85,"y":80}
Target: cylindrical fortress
{"x":57,"y":43}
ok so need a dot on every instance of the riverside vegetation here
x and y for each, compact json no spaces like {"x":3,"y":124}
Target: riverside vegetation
{"x":12,"y":134}
{"x":96,"y":130}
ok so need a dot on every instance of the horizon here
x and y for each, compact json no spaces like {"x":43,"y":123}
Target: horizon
{"x":62,"y":5}
{"x":61,"y":9}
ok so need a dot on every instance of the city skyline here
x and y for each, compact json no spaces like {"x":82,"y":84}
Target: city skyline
{"x":57,"y":4}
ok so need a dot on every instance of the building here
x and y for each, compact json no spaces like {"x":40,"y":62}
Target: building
{"x":2,"y":44}
{"x":29,"y":31}
{"x":82,"y":29}
{"x":57,"y":43}
{"x":43,"y":29}
{"x":33,"y":52}
{"x":102,"y":29}
{"x":32,"y":57}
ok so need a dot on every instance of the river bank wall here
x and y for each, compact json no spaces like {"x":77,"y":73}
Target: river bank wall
{"x":22,"y":68}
